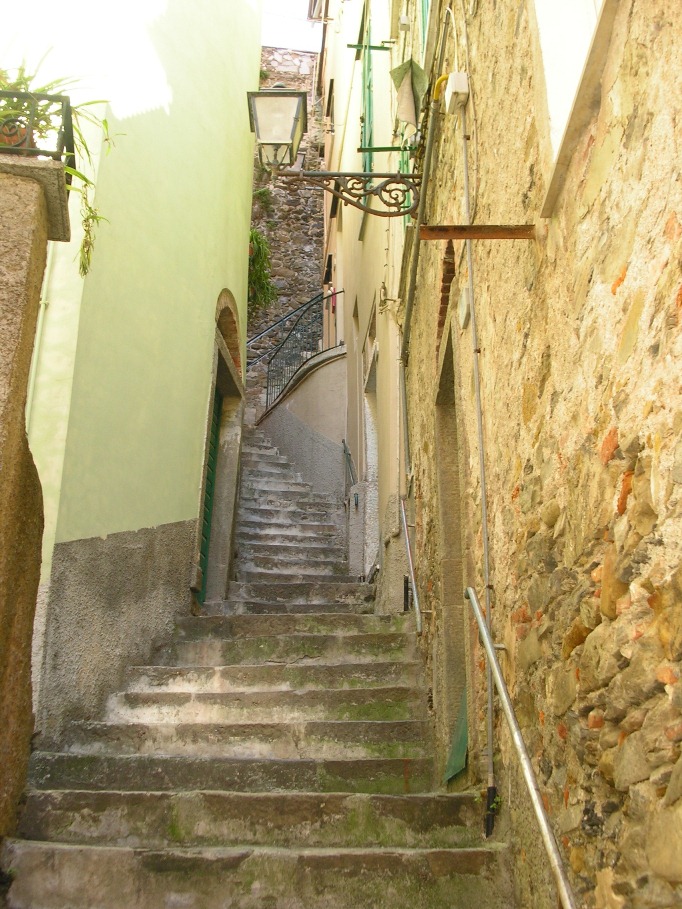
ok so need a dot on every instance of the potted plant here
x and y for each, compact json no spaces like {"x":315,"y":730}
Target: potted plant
{"x":38,"y":119}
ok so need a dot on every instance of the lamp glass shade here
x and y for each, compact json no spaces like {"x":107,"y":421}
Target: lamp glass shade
{"x":279,"y":119}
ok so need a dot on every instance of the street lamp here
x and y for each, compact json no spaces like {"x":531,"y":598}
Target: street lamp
{"x":279,"y":118}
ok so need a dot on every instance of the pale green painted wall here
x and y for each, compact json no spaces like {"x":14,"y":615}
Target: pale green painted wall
{"x":177,"y":193}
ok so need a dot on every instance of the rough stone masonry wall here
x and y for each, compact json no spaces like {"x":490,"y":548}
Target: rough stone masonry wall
{"x":580,"y":336}
{"x":23,"y":247}
{"x":290,"y":216}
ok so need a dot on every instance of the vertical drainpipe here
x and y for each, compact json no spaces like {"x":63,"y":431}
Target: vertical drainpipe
{"x":491,"y":789}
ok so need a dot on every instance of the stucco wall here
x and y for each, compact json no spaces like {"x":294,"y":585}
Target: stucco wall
{"x":23,"y":244}
{"x":175,"y":190}
{"x":580,"y":343}
{"x":309,"y":423}
{"x":108,"y":610}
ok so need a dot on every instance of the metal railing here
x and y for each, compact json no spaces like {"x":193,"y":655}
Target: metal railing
{"x":563,"y":886}
{"x":304,"y":340}
{"x":350,"y":467}
{"x":275,"y":326}
{"x":410,"y":565}
{"x":34,"y":124}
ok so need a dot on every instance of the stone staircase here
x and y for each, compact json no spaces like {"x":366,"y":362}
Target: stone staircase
{"x":275,"y":755}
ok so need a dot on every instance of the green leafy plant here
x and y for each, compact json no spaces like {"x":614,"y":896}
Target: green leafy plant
{"x":264,"y":199}
{"x":262,"y":291}
{"x":45,"y":119}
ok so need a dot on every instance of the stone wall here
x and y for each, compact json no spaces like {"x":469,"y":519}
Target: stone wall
{"x":23,"y":247}
{"x":290,"y":216}
{"x":580,"y":338}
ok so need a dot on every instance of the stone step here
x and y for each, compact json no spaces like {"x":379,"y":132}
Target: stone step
{"x":289,"y":567}
{"x":269,"y":521}
{"x":290,"y":548}
{"x":247,"y":626}
{"x":281,"y":495}
{"x":55,"y":876}
{"x":307,"y":533}
{"x":381,"y":703}
{"x":291,"y":558}
{"x":286,"y":648}
{"x":159,"y":819}
{"x":258,"y":510}
{"x":253,"y":738}
{"x":239,"y":607}
{"x":58,"y":770}
{"x":261,"y":575}
{"x":272,"y":677}
{"x":320,"y":591}
{"x":271,"y":466}
{"x":257,"y":485}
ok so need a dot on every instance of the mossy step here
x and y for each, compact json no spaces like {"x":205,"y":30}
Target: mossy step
{"x":225,"y":627}
{"x":53,"y":876}
{"x":289,"y":537}
{"x":395,"y":702}
{"x":251,"y":502}
{"x":289,"y":648}
{"x":199,"y":818}
{"x":339,"y":740}
{"x":58,"y":770}
{"x":290,"y":549}
{"x":263,"y":530}
{"x":317,"y":591}
{"x":276,"y":676}
{"x":239,"y":607}
{"x":292,"y":575}
{"x":295,"y":565}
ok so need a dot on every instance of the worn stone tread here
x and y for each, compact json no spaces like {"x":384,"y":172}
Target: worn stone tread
{"x":208,"y":817}
{"x":273,"y":676}
{"x":313,"y":878}
{"x":57,"y":770}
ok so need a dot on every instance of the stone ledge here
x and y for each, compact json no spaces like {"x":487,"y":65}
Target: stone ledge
{"x":50,"y":174}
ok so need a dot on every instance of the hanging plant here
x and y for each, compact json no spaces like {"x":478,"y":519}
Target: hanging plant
{"x":45,"y":119}
{"x":262,"y":290}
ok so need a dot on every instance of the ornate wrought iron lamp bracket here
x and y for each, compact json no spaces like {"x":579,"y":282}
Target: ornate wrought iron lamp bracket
{"x":399,"y":193}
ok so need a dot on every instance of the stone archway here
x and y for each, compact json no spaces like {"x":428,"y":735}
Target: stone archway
{"x":228,"y":323}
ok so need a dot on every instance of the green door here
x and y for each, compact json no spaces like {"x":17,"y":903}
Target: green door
{"x":214,"y":434}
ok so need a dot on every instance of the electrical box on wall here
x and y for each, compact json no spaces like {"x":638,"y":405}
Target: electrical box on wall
{"x":464,"y":308}
{"x":456,"y":92}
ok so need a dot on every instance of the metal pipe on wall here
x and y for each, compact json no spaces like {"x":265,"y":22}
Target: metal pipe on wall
{"x":481,"y":461}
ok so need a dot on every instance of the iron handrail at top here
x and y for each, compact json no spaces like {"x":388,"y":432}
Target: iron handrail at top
{"x":553,"y":854}
{"x":35,"y":124}
{"x":410,"y":565}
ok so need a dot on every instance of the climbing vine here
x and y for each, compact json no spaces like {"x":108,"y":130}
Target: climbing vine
{"x":262,"y":290}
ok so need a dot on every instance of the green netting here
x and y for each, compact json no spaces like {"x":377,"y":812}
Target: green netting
{"x":457,"y":759}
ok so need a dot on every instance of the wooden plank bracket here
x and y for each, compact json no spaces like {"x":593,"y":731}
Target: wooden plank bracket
{"x":477,"y":232}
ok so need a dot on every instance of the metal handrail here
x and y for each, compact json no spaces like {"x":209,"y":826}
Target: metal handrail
{"x":553,"y":854}
{"x":289,"y":315}
{"x":304,"y":340}
{"x":350,"y":467}
{"x":410,"y":565}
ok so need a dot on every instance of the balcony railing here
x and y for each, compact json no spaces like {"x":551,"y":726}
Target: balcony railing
{"x":37,"y":125}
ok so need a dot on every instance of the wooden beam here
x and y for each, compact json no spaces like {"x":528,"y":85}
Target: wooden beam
{"x":477,"y":232}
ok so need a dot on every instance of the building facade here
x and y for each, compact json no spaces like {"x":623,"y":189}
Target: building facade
{"x":536,"y":446}
{"x":135,"y":399}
